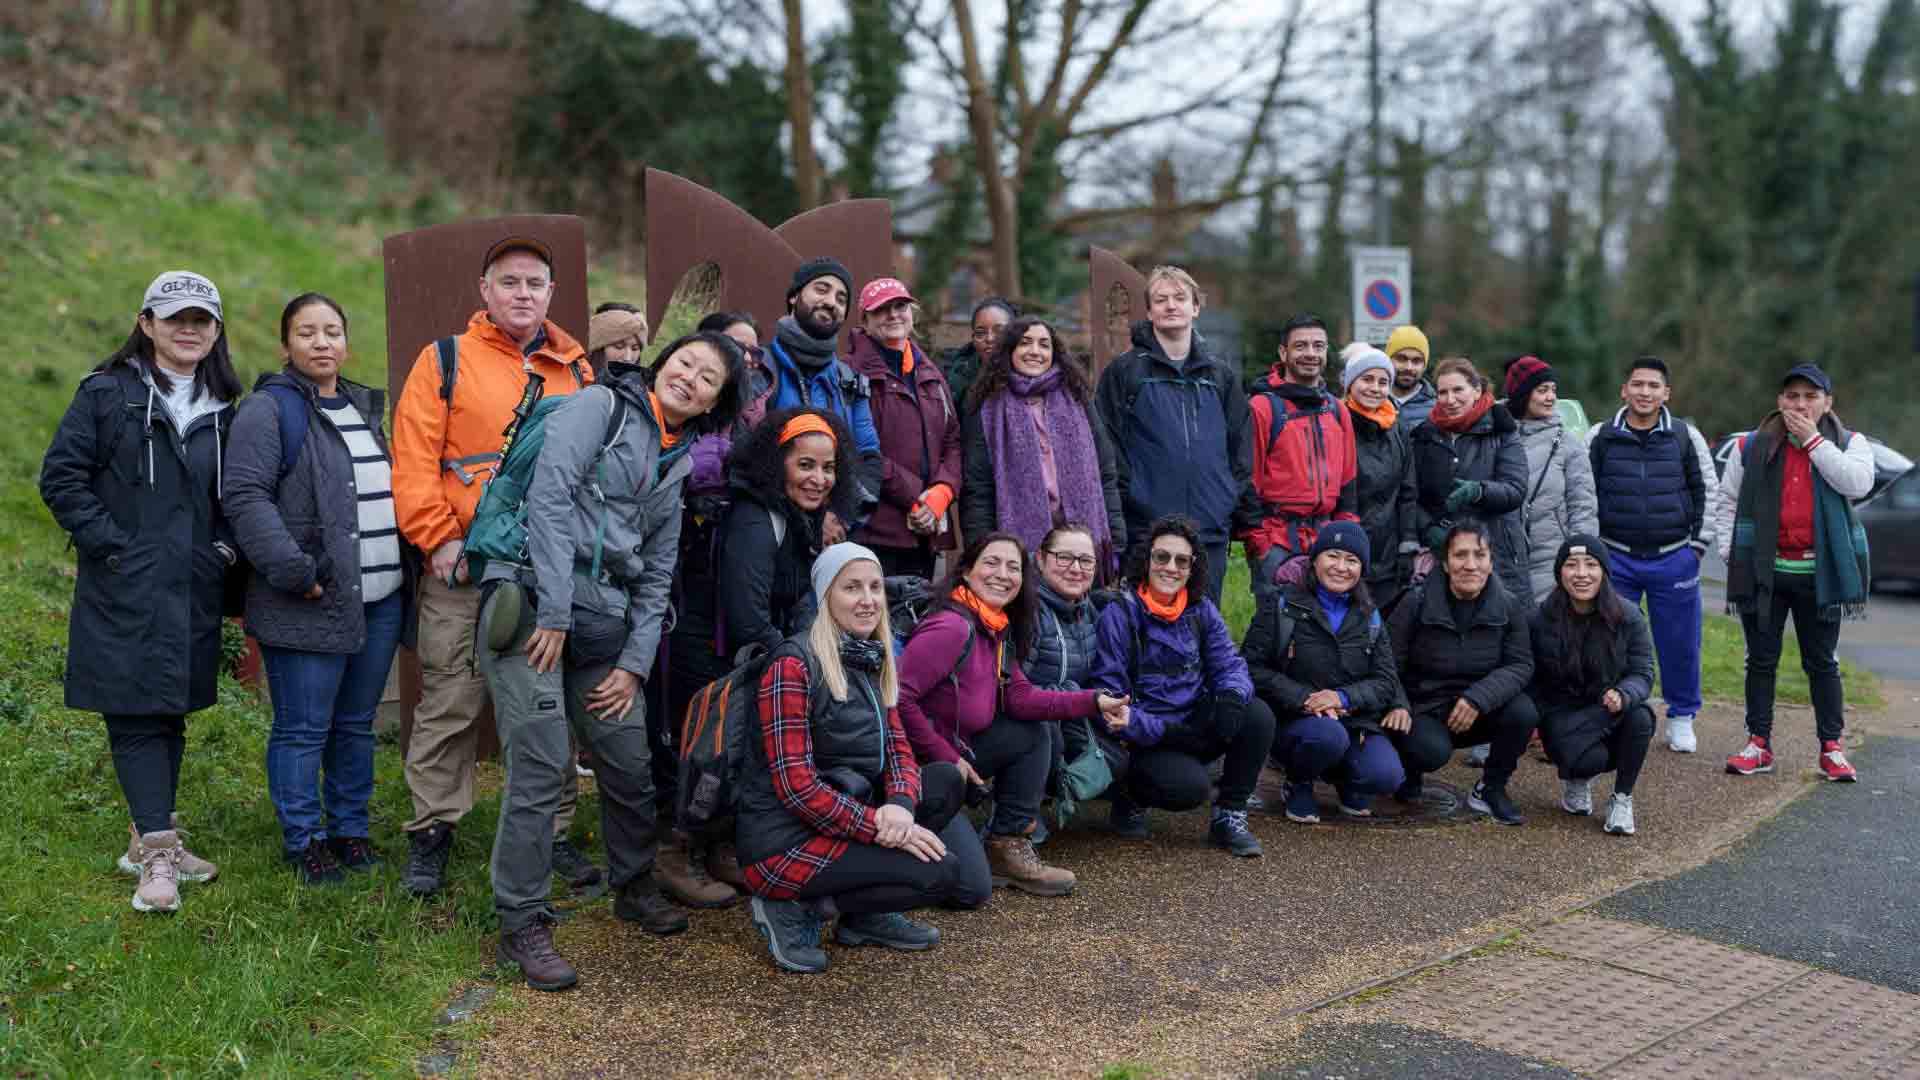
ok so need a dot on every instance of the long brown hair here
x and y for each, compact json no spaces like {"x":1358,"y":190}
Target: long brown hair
{"x":998,"y":370}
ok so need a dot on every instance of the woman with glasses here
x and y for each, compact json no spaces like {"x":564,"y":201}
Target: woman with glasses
{"x":990,"y":319}
{"x":1165,"y":645}
{"x":1064,"y":639}
{"x":1035,"y":457}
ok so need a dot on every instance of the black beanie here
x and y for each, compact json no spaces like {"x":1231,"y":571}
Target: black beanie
{"x":817,"y":267}
{"x":1343,"y":536}
{"x":1581,"y":544}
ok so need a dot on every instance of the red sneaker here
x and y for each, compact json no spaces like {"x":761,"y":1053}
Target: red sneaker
{"x":1833,"y":763}
{"x":1752,"y":758}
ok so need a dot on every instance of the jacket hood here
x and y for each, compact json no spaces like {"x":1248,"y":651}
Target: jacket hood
{"x":1534,"y":427}
{"x":1437,"y":610}
{"x":287,"y":376}
{"x":1060,"y":605}
{"x":1498,"y":420}
{"x":1276,"y":380}
{"x":558,"y":344}
{"x":1142,"y":336}
{"x":865,"y":347}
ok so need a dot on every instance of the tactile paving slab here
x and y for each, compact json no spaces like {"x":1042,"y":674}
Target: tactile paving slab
{"x":1593,"y":938}
{"x":1818,"y":1025}
{"x":1696,"y":962}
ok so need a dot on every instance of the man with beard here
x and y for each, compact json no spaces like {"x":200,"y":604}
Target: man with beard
{"x":806,"y":372}
{"x":1413,"y":395}
{"x":1303,"y":458}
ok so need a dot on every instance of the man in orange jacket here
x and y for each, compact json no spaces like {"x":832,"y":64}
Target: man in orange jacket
{"x":446,"y":444}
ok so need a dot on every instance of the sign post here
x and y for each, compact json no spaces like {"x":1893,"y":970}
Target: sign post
{"x":1382,"y":292}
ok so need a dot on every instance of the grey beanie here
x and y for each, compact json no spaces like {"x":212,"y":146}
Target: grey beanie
{"x":1369,"y":359}
{"x":832,"y":561}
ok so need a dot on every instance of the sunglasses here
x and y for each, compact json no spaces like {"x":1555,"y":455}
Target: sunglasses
{"x":1163,"y":557}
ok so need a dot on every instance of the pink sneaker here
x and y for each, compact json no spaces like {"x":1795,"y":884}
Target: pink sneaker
{"x":1833,"y":763}
{"x":190,"y":867}
{"x":159,"y":874}
{"x":1752,"y":758}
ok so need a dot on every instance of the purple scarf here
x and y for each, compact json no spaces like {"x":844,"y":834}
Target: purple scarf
{"x":1014,"y":444}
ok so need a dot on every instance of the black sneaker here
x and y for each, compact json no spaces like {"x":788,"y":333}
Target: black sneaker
{"x":1228,"y":829}
{"x":572,"y":867}
{"x":1127,"y":820}
{"x":1410,"y":791}
{"x":356,"y":853}
{"x":888,"y":928}
{"x":427,"y":859}
{"x":792,"y":930}
{"x":316,"y":865}
{"x":1491,"y":799}
{"x":641,"y":901}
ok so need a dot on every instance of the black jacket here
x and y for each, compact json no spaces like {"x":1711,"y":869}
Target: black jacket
{"x":303,"y":529}
{"x":1492,"y":453}
{"x":1556,"y":676}
{"x":1388,"y":502}
{"x":1181,"y":434}
{"x":746,"y":587}
{"x":1487,"y":663}
{"x":1356,"y":657}
{"x":141,"y":501}
{"x":980,"y":514}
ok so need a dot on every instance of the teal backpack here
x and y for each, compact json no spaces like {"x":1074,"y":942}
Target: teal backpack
{"x":499,"y":528}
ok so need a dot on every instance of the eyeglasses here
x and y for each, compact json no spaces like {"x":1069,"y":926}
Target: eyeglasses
{"x":1083,"y":562}
{"x":1162,"y":557}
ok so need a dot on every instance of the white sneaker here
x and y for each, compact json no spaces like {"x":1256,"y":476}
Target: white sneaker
{"x":1477,"y":755}
{"x":1680,"y":735}
{"x":1620,"y":815}
{"x":1576,"y":797}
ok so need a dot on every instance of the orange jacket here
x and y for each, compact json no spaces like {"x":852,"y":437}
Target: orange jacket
{"x":433,"y":503}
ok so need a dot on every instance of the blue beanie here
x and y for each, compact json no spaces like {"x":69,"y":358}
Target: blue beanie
{"x":1345,"y":536}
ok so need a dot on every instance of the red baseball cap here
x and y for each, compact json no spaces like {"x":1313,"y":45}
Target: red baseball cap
{"x":880,"y":292}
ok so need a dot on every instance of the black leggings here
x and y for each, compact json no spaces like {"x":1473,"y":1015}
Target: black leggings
{"x":1172,"y":773}
{"x":1429,"y":743}
{"x":869,"y":878}
{"x":1588,"y":741}
{"x":146,"y":757}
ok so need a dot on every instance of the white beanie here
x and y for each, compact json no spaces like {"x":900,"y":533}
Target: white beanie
{"x":1360,"y":363}
{"x":833,"y":560}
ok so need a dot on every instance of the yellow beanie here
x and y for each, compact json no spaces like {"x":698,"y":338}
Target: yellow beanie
{"x":1408,"y":337}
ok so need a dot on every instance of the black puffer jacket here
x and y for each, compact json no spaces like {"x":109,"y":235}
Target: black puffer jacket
{"x":1064,"y":641}
{"x":302,"y":529}
{"x":1487,"y":662}
{"x":1356,"y":658}
{"x":1492,"y":453}
{"x":1388,"y":502}
{"x":747,"y":587}
{"x":1559,"y":685}
{"x":141,"y":501}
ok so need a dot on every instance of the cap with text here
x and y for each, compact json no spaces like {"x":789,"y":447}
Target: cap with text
{"x":176,"y":291}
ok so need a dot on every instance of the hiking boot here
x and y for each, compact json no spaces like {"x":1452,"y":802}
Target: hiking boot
{"x":316,"y":865}
{"x":792,"y":930}
{"x":1411,"y":790}
{"x":1228,"y":829}
{"x":685,"y":878}
{"x":1356,"y":804}
{"x":1124,"y":819}
{"x":1014,"y":863}
{"x":640,"y":901}
{"x":1754,"y":757}
{"x":159,"y":861}
{"x":427,"y":855}
{"x":572,"y":867}
{"x":1302,"y":807}
{"x":1477,"y":755}
{"x":1833,"y":763}
{"x":1576,"y":797}
{"x":888,"y":928}
{"x":355,"y":853}
{"x":1680,"y":737}
{"x":723,"y":863}
{"x":1492,"y":800}
{"x":187,"y":865}
{"x":531,"y":947}
{"x":1619,"y":815}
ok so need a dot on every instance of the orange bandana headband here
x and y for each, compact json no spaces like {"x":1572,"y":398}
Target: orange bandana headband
{"x":807,"y":424}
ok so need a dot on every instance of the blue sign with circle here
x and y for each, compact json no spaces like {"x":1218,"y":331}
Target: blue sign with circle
{"x":1382,"y":299}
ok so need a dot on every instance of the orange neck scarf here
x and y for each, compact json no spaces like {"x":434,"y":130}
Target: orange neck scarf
{"x":1168,"y":612}
{"x":1385,"y":415}
{"x":993,"y":619}
{"x":667,"y":438}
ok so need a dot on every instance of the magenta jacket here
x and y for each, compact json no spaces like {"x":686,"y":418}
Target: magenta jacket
{"x":943,"y":709}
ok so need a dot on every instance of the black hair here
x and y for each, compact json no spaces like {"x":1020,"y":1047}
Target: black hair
{"x":1000,"y":302}
{"x":1650,"y":362}
{"x":1140,"y":559}
{"x":1303,"y":321}
{"x":721,"y":321}
{"x":759,"y":464}
{"x":1019,"y":610}
{"x":1466,"y":526}
{"x":998,"y":368}
{"x":293,"y":308}
{"x":214,"y":374}
{"x":617,"y":305}
{"x":1361,"y":596}
{"x":1593,"y":654}
{"x":733,"y":396}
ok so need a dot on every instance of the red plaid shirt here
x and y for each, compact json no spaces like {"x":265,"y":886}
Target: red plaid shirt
{"x":836,"y":819}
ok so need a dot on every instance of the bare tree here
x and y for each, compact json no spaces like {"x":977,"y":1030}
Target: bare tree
{"x":806,"y":164}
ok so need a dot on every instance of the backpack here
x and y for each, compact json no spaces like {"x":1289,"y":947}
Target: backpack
{"x":499,"y":527}
{"x":714,"y":743}
{"x":292,"y":405}
{"x":1282,"y":414}
{"x":447,"y":357}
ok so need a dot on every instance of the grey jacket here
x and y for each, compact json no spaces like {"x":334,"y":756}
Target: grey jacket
{"x":1562,"y":502}
{"x":303,"y":529}
{"x":642,"y":537}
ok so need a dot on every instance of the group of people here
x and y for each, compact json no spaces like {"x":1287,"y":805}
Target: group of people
{"x":1434,"y":568}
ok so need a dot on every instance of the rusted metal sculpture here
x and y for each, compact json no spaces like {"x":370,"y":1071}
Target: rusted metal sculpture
{"x":1116,"y":296}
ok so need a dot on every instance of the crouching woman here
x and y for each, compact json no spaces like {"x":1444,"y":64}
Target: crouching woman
{"x":836,"y":818}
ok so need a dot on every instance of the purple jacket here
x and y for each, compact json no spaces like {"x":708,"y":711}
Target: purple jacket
{"x":940,"y":713}
{"x":919,"y":430}
{"x":1167,"y":667}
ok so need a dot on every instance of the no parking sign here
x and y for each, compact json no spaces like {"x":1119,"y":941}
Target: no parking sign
{"x":1382,"y":292}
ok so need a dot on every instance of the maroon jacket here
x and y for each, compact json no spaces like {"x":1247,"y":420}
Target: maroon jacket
{"x":919,"y":429}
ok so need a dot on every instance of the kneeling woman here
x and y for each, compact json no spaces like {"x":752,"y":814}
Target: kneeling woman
{"x":1319,"y":657}
{"x":835,"y":816}
{"x":603,"y":527}
{"x":1461,"y":641}
{"x":965,"y":701}
{"x":1166,"y":646}
{"x":1592,"y":673}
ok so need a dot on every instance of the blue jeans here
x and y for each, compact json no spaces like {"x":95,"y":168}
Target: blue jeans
{"x":323,"y":706}
{"x":1671,"y":583}
{"x":1321,"y":748}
